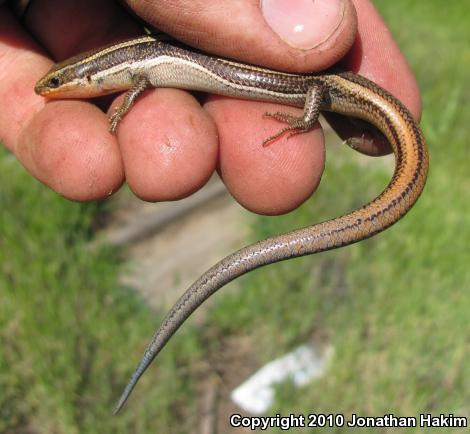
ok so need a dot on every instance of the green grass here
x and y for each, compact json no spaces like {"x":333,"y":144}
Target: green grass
{"x":67,"y":328}
{"x":395,"y":308}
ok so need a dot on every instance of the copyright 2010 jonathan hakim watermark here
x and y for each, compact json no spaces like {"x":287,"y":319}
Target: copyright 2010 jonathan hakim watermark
{"x":319,"y":420}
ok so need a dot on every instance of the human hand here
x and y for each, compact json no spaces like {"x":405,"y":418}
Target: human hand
{"x":168,"y":146}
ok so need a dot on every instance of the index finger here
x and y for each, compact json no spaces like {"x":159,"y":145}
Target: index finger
{"x":376,"y":55}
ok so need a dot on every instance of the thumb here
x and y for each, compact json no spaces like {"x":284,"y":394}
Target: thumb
{"x":294,"y":35}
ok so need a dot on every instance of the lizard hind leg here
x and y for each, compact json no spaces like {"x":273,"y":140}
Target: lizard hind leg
{"x":299,"y":124}
{"x":296,"y":125}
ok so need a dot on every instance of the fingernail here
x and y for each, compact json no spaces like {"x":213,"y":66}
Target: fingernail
{"x":303,"y":24}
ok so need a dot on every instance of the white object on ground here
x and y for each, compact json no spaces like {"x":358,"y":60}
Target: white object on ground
{"x":303,"y":364}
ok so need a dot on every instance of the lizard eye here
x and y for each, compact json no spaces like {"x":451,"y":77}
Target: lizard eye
{"x":54,"y":82}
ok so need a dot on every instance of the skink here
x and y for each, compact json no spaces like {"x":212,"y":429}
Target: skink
{"x":145,"y":62}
